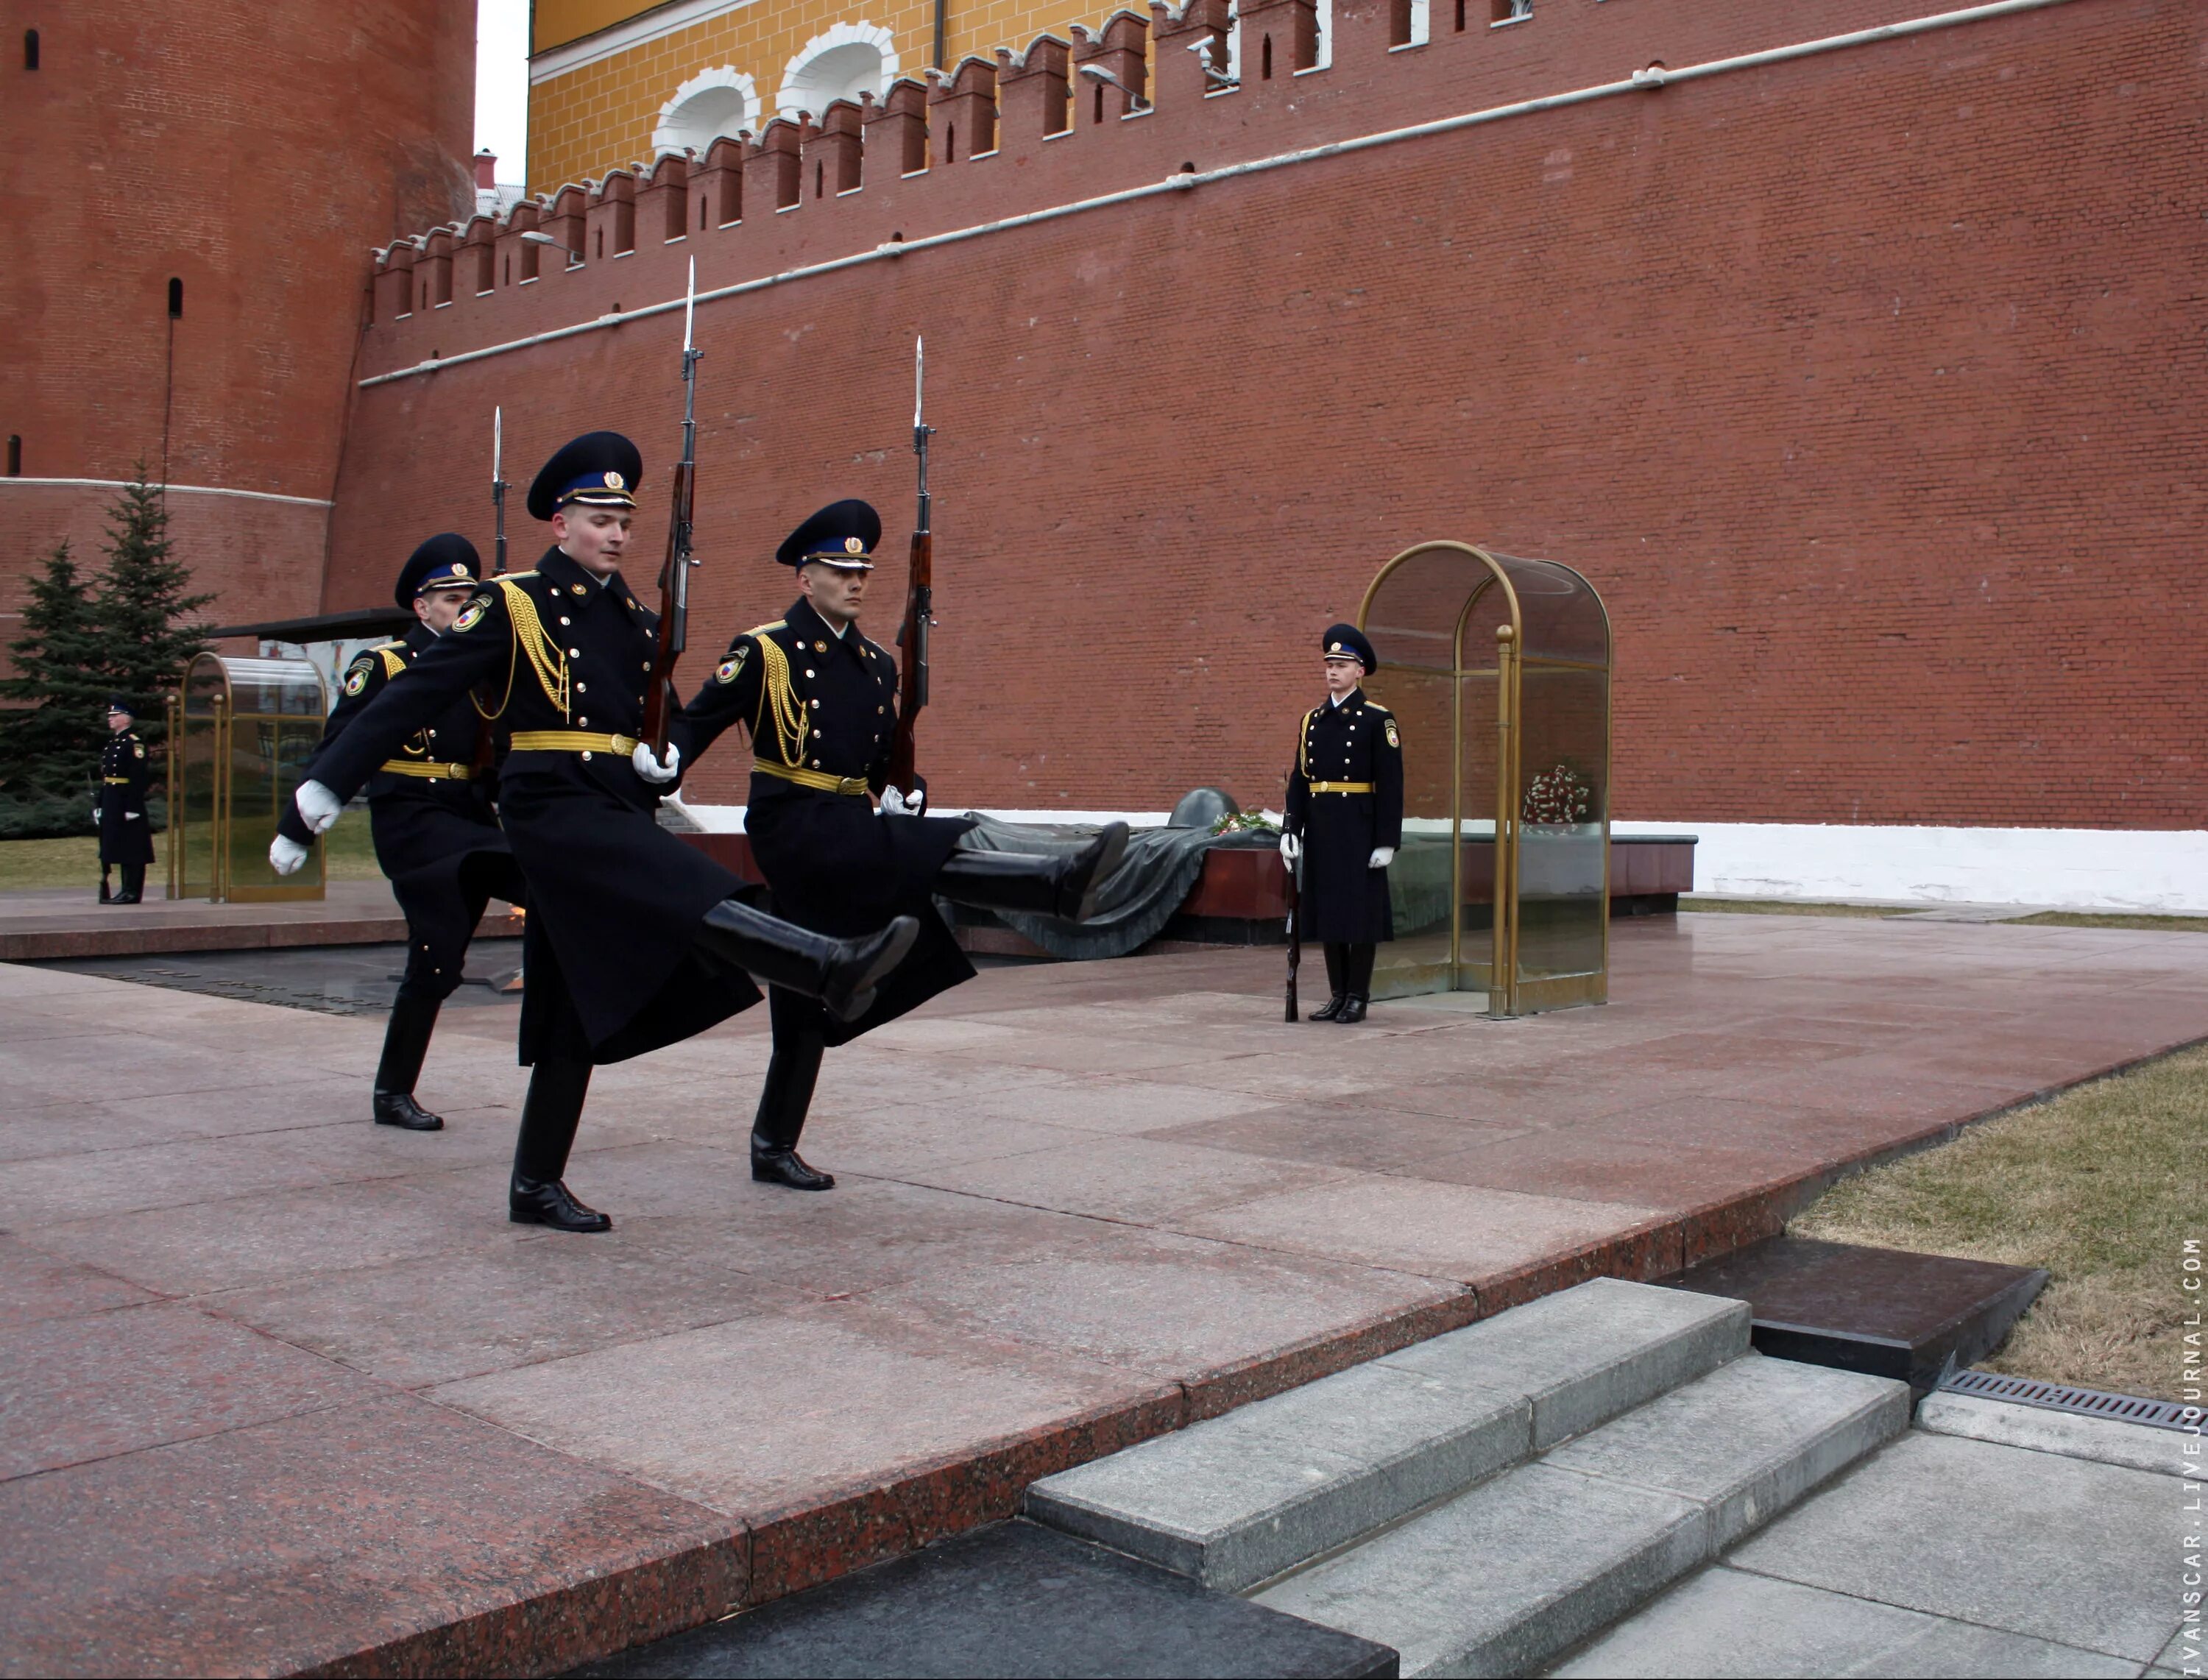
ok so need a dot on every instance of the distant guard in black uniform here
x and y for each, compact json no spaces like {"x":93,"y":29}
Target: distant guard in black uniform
{"x":819,"y":702}
{"x":634,"y":940}
{"x":126,"y":836}
{"x":431,"y":809}
{"x":1344,"y":821}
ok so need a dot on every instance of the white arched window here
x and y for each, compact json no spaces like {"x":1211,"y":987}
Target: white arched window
{"x":712,"y":103}
{"x":849,"y":59}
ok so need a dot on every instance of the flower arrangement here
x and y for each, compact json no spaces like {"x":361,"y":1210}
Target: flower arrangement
{"x":1245,"y":822}
{"x":1559,"y":797}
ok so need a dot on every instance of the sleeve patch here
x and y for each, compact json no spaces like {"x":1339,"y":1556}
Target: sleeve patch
{"x":356,"y":678}
{"x":1394,"y":740}
{"x":471,"y":614}
{"x":139,"y":749}
{"x":732,"y":667}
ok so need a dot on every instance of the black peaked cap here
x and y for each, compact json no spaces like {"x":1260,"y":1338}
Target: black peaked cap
{"x":123,"y":703}
{"x":829,"y":534}
{"x":1348,"y":638}
{"x":601,"y":468}
{"x":447,"y":561}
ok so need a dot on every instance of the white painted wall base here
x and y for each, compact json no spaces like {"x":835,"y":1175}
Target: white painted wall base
{"x":2067,"y":868}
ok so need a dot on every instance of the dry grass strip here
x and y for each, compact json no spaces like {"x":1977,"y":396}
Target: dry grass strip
{"x":2101,"y":1186}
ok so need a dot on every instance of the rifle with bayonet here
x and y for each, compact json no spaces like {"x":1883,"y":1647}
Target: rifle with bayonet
{"x":1295,"y":929}
{"x":498,"y":491}
{"x":918,"y":599}
{"x":486,"y":754}
{"x":675,"y":576}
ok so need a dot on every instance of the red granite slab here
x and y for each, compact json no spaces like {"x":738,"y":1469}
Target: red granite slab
{"x":1080,"y":1204}
{"x":391,"y":1536}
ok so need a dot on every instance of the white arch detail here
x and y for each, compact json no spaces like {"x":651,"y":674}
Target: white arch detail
{"x":712,"y":103}
{"x":835,"y":65}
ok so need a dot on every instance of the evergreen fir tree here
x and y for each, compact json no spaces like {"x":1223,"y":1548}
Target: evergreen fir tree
{"x":50,"y":746}
{"x":142,"y":601}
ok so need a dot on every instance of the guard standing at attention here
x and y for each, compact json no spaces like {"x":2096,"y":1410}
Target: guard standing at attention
{"x":126,"y":837}
{"x":431,"y":809}
{"x":634,"y":939}
{"x":1344,"y":821}
{"x":820,"y":703}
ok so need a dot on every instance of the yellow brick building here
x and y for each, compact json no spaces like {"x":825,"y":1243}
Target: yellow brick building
{"x":613,"y":82}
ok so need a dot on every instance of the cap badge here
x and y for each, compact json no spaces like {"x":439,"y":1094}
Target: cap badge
{"x":460,"y":568}
{"x":852,"y":545}
{"x":614,"y":481}
{"x":1336,"y":648}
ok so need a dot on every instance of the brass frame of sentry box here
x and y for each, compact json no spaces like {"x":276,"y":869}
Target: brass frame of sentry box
{"x":1509,"y":993}
{"x":220,"y":723}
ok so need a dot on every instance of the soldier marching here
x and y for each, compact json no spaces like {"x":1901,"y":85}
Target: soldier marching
{"x":634,"y":940}
{"x":819,"y":703}
{"x":431,"y":808}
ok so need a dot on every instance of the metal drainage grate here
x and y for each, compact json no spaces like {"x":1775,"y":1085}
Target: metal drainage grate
{"x":2081,"y":1402}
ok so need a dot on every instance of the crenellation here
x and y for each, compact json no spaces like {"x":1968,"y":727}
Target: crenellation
{"x":832,"y":162}
{"x":1032,"y":92}
{"x":963,"y":108}
{"x":772,"y":167}
{"x":610,"y":217}
{"x":897,"y":128}
{"x":663,"y":196}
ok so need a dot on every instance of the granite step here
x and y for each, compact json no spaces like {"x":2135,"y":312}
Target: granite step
{"x":1237,"y":1499}
{"x":1516,"y":1571}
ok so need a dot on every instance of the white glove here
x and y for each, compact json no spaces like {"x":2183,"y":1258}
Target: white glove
{"x":286,"y":855}
{"x":1381,"y":858}
{"x":649,"y":767}
{"x":1292,"y":848}
{"x":896,"y":804}
{"x":318,"y":805}
{"x":129,"y":816}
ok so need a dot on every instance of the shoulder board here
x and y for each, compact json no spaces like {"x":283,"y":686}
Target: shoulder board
{"x":762,"y":629}
{"x":394,"y":657}
{"x":1312,"y":716}
{"x":1382,"y":710}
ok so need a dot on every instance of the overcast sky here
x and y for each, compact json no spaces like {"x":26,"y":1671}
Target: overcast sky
{"x":502,"y":83}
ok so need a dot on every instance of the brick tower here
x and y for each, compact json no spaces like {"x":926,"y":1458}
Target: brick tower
{"x":191,"y":189}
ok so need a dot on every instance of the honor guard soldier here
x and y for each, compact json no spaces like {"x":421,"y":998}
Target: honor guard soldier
{"x":634,"y":940}
{"x":819,"y":702}
{"x":1344,"y":821}
{"x":126,"y":837}
{"x":430,"y":810}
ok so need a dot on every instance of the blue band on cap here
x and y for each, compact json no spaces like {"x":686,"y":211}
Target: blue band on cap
{"x":454,"y":576}
{"x":608,"y":488}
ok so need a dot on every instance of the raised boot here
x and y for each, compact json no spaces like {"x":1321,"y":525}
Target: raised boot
{"x":1064,"y":887}
{"x":841,"y":973}
{"x":549,"y":1115}
{"x":406,"y":1042}
{"x":1335,"y":985}
{"x":791,"y":1073}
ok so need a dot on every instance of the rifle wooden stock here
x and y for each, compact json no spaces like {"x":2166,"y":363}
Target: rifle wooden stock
{"x":912,"y":661}
{"x":673,"y":612}
{"x":1295,"y":937}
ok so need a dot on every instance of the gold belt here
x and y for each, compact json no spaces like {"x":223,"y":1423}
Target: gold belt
{"x":434,"y":769}
{"x":1343,"y":788}
{"x":117,"y":781}
{"x":819,"y":780}
{"x":571,"y":741}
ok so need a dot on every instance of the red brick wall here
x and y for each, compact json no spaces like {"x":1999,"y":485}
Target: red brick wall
{"x":1867,"y":386}
{"x":255,"y":151}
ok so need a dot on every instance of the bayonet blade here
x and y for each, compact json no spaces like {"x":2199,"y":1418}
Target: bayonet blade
{"x":497,"y":442}
{"x":689,"y":305}
{"x":919,"y":380}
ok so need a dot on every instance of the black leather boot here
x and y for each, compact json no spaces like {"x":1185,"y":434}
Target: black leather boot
{"x":1337,"y":987}
{"x":406,"y":1042}
{"x":134,"y":885}
{"x":1064,"y":887}
{"x":842,"y":973}
{"x":550,"y":1114}
{"x":791,"y":1073}
{"x":1357,"y":971}
{"x":106,"y":886}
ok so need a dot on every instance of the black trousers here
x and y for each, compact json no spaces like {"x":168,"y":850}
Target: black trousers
{"x":1349,"y":969}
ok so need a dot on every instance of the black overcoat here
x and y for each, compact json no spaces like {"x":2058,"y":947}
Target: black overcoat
{"x":815,"y":701}
{"x":1343,"y":899}
{"x":437,"y":838}
{"x":610,"y":963}
{"x":126,"y":775}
